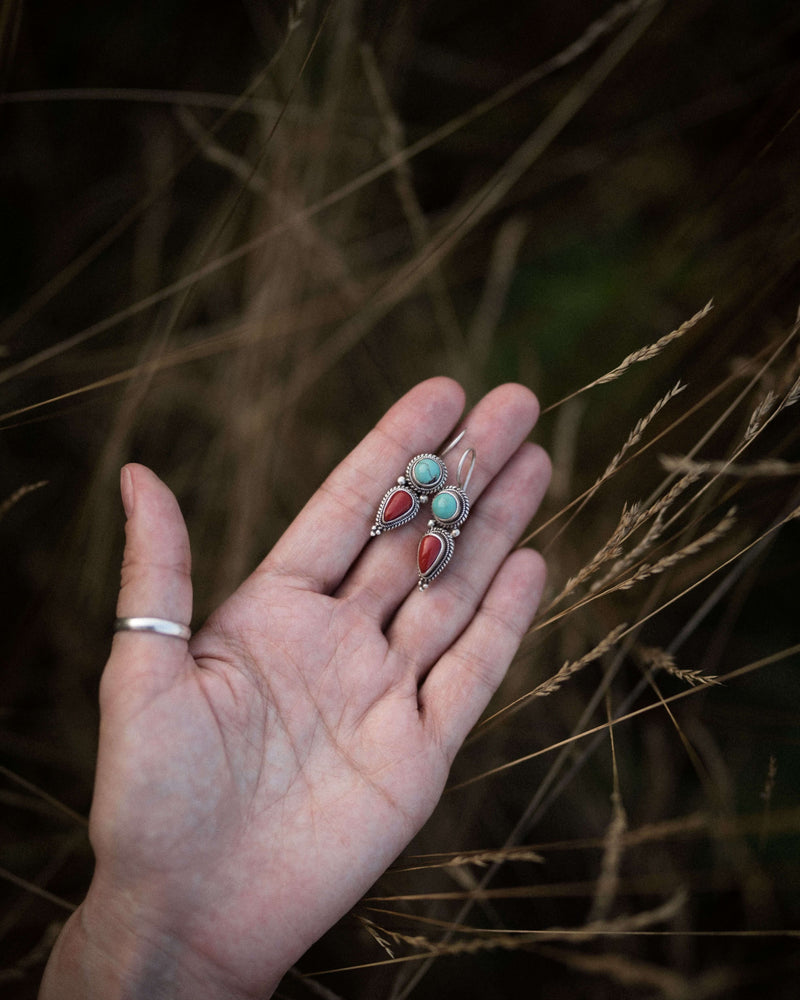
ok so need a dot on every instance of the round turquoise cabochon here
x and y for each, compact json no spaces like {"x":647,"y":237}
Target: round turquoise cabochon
{"x":427,"y":471}
{"x":445,"y":506}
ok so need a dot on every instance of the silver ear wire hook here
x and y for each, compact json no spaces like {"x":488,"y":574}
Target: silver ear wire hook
{"x":449,"y":509}
{"x":454,"y":442}
{"x":473,"y":458}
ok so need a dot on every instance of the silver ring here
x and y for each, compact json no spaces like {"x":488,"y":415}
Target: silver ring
{"x":159,"y":625}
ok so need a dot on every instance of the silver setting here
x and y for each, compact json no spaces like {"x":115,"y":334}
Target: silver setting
{"x":380,"y":524}
{"x":447,"y":529}
{"x":425,"y":489}
{"x":161,"y":626}
{"x":420,"y":492}
{"x":444,"y":557}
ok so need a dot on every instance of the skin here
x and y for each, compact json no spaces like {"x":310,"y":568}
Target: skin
{"x":254,"y":782}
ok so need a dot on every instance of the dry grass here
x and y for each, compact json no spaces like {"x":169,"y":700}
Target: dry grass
{"x":275,"y":254}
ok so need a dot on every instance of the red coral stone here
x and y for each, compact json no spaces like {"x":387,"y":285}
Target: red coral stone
{"x":430,"y":549}
{"x":398,"y":504}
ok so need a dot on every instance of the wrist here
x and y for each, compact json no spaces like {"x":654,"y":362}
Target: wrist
{"x":109,"y":950}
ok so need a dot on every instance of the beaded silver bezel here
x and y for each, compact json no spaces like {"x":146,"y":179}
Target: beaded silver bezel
{"x":426,"y":488}
{"x":380,"y":524}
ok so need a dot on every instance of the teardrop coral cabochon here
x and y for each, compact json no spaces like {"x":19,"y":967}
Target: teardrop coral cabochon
{"x":397,"y":506}
{"x":432,"y":549}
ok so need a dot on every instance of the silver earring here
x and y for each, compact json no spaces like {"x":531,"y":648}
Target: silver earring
{"x":425,"y":474}
{"x":450,"y":509}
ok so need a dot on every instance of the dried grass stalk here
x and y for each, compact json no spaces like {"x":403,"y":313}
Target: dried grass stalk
{"x":769,"y":785}
{"x":611,"y":549}
{"x":657,"y":511}
{"x":478,"y":858}
{"x":759,"y":415}
{"x":631,"y":517}
{"x":486,"y":940}
{"x":643,"y":354}
{"x":630,"y":973}
{"x":377,"y":935}
{"x":670,"y":560}
{"x":652,"y":350}
{"x":613,"y":845}
{"x":754,"y":470}
{"x":636,"y":434}
{"x":660,"y":659}
{"x":17,"y":495}
{"x":483,"y":858}
{"x":792,"y":395}
{"x":571,"y":668}
{"x":659,"y":507}
{"x":766,"y":798}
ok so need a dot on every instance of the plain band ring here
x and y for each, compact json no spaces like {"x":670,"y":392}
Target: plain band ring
{"x":159,"y":625}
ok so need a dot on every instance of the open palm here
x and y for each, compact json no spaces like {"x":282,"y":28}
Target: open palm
{"x":254,"y":782}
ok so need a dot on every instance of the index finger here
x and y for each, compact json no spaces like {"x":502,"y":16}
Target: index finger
{"x":326,"y":537}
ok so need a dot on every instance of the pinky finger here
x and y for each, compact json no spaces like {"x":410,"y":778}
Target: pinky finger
{"x":458,"y":688}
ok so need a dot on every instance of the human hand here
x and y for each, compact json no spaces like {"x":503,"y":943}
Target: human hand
{"x":253,"y":782}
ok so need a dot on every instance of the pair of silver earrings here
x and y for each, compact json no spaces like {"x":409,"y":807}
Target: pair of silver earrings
{"x":425,"y":477}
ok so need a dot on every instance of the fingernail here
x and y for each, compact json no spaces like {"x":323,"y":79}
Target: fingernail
{"x":126,"y":489}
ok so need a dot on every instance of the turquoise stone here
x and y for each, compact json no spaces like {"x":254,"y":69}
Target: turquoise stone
{"x":427,"y":471}
{"x":445,"y":506}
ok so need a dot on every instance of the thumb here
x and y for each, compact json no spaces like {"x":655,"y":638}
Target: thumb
{"x":156,"y":570}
